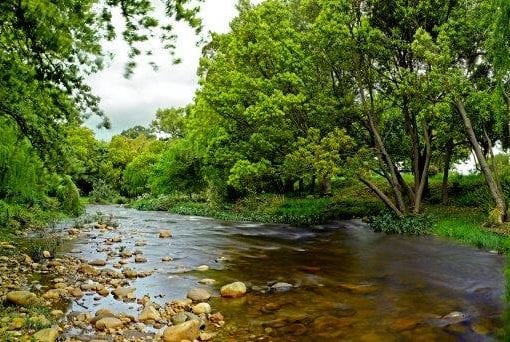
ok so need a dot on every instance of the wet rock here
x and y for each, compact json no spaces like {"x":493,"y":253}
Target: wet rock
{"x":358,"y":288}
{"x":402,"y":324}
{"x":450,"y":319}
{"x":217,"y":318}
{"x":76,"y":292}
{"x":201,"y":308}
{"x":73,"y":231}
{"x":46,"y":335}
{"x":185,"y":331}
{"x":206,"y":336}
{"x":108,"y":323}
{"x":198,"y":295}
{"x":149,"y":313}
{"x":179,"y":318}
{"x":88,"y":269}
{"x":124,"y":292}
{"x":46,"y":254}
{"x":21,"y":298}
{"x":98,"y":262}
{"x":207,"y":281}
{"x":165,"y":233}
{"x":330,"y":325}
{"x":57,"y":314}
{"x":166,"y":259}
{"x":281,"y":287}
{"x":202,"y":268}
{"x":233,"y":290}
{"x":270,"y":307}
{"x":140,"y":259}
{"x":295,"y":329}
{"x":129,"y":273}
{"x":126,"y":254}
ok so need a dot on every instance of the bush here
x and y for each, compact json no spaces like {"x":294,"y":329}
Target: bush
{"x":69,"y":197}
{"x":103,"y":193}
{"x":411,"y":224}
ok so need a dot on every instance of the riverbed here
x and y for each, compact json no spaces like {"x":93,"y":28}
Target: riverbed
{"x":338,"y":281}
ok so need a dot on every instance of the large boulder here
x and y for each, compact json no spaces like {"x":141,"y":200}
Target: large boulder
{"x":233,"y":290}
{"x":21,"y":298}
{"x":198,"y":295}
{"x":188,"y":330}
{"x":46,"y":335}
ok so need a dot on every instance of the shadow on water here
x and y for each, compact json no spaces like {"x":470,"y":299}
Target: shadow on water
{"x":346,"y":282}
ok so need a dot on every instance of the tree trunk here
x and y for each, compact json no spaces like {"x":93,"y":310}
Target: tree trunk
{"x":424,"y":173}
{"x":446,"y":171}
{"x":382,"y":196}
{"x":326,"y":185}
{"x":492,"y":181}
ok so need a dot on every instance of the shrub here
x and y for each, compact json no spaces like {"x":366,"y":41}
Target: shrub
{"x":102,"y":193}
{"x":69,"y":197}
{"x":411,"y":224}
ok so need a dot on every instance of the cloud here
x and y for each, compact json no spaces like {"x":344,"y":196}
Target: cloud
{"x":130,"y":102}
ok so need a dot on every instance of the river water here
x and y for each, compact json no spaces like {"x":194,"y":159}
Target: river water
{"x":348,"y":283}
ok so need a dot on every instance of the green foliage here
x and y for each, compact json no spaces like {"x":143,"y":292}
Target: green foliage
{"x":102,"y":193}
{"x":69,"y":197}
{"x":388,"y":223}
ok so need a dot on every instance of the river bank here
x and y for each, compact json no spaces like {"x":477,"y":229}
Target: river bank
{"x":330,"y":281}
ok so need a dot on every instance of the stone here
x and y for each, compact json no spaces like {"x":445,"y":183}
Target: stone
{"x":202,"y":268}
{"x":140,"y":259}
{"x":281,"y":287}
{"x":358,"y":288}
{"x":149,"y":313}
{"x":452,"y":318}
{"x":88,"y":269}
{"x":76,"y":292}
{"x":73,"y":231}
{"x":188,"y":330}
{"x":402,"y":324}
{"x":108,"y":323}
{"x":124,"y":292}
{"x":166,"y":259}
{"x":206,"y":336}
{"x":165,"y":233}
{"x":207,"y":281}
{"x":198,"y":295}
{"x":46,"y":335}
{"x":57,"y":314}
{"x":201,"y":308}
{"x":98,"y":262}
{"x":46,"y":254}
{"x":21,"y":298}
{"x":330,"y":324}
{"x":129,"y":273}
{"x":216,"y":318}
{"x":179,"y":318}
{"x":233,"y":290}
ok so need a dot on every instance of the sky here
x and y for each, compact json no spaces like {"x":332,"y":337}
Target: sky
{"x":134,"y":101}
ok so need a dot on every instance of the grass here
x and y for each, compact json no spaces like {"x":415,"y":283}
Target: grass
{"x":466,"y":225}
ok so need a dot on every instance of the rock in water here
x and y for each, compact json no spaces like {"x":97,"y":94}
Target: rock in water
{"x":46,"y":335}
{"x":149,"y":313}
{"x":21,"y":298}
{"x":98,"y":262}
{"x":198,"y":295}
{"x":233,"y":290}
{"x":108,"y":323}
{"x":201,"y":308}
{"x":188,"y":330}
{"x":281,"y":287}
{"x":163,"y":234}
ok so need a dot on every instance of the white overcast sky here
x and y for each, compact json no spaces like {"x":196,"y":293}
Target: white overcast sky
{"x":130,"y":102}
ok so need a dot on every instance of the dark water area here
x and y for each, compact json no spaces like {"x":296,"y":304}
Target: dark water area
{"x":348,"y":283}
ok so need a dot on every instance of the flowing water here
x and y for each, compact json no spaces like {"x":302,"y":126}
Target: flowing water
{"x":349,"y":283}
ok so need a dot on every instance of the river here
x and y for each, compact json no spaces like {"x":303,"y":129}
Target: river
{"x":348,"y":283}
